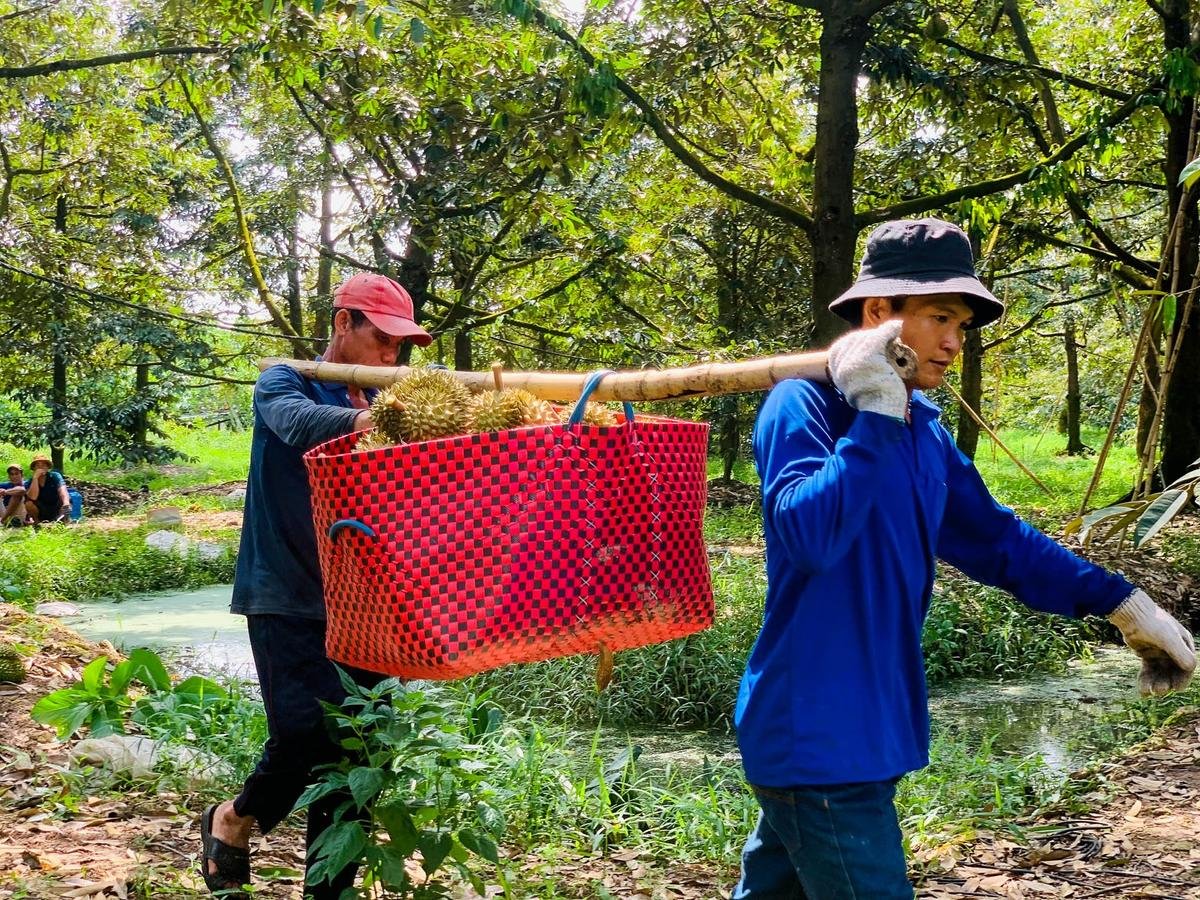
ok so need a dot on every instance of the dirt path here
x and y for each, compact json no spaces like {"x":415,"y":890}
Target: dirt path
{"x":67,"y":835}
{"x":1141,"y":839}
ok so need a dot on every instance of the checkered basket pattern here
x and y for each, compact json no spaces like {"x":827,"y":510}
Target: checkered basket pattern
{"x":449,"y":557}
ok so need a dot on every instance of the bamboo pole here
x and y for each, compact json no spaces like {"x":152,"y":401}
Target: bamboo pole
{"x":705,"y":379}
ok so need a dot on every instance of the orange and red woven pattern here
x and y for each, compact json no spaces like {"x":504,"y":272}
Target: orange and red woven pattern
{"x":512,"y":546}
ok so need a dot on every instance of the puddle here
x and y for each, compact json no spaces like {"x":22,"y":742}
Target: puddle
{"x":193,"y":631}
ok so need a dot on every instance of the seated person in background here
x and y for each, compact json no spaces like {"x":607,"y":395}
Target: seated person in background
{"x":46,"y":493}
{"x":13,"y":494}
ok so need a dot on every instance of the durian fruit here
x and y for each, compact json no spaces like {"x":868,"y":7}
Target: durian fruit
{"x":496,"y":411}
{"x":535,"y":411}
{"x":597,"y":414}
{"x":373,"y":440}
{"x":428,"y":404}
{"x":12,"y":667}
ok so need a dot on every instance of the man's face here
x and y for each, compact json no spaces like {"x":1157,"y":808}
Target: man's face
{"x":934,"y":327}
{"x":15,"y":474}
{"x":41,"y":469}
{"x":365,"y":345}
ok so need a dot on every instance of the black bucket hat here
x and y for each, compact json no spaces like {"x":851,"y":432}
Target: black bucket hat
{"x":914,"y":257}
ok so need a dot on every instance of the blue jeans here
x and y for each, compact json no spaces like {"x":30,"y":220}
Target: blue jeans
{"x":827,"y":842}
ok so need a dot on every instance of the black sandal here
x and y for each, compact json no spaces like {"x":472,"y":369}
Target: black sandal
{"x":233,"y":863}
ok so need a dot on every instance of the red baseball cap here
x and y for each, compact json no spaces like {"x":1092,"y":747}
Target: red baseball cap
{"x":385,"y":303}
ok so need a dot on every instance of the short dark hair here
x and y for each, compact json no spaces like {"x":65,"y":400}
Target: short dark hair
{"x":357,"y":317}
{"x":897,"y":301}
{"x":15,"y":468}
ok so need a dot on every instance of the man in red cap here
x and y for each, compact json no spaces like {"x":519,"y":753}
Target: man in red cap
{"x":277,"y":585}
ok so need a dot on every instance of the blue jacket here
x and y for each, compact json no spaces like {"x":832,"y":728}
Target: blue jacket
{"x":856,"y":506}
{"x":278,"y":571}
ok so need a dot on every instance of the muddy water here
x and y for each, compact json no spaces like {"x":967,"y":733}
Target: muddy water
{"x":1057,"y":717}
{"x":193,"y":630}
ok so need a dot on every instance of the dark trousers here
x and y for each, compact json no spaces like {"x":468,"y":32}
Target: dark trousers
{"x":830,"y":842}
{"x":295,"y":675}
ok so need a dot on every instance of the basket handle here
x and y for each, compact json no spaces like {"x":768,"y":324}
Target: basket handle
{"x":589,"y":386}
{"x":342,"y":524}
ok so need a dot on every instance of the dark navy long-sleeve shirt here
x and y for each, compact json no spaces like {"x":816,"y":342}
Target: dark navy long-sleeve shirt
{"x":277,"y":568}
{"x":856,"y":507}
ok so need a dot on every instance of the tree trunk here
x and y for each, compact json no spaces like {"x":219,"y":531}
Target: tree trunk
{"x":295,"y":309}
{"x":971,"y":388}
{"x":1181,"y":422}
{"x":141,"y":424}
{"x":1074,"y":440}
{"x":324,"y":294}
{"x":415,"y":275}
{"x":462,"y":351}
{"x":1148,"y":399}
{"x":58,"y":390}
{"x":1181,"y":419}
{"x":729,"y":330}
{"x":834,"y":232}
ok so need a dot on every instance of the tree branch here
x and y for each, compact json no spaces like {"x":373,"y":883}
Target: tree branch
{"x":1036,"y":68}
{"x":1038,"y":313}
{"x":28,"y":11}
{"x":864,"y":9}
{"x":446,"y":304}
{"x":70,"y":65}
{"x":1100,"y":253}
{"x":995,"y":185}
{"x":264,"y":295}
{"x":530,"y":10}
{"x":546,"y":294}
{"x":144,"y":310}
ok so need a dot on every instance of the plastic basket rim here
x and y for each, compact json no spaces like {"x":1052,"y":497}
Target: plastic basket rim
{"x":318,"y":452}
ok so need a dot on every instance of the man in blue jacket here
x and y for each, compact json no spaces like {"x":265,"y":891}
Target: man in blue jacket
{"x":862,"y":490}
{"x":277,"y":585}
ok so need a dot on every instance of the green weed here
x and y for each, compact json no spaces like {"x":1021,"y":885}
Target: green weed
{"x":77,"y":564}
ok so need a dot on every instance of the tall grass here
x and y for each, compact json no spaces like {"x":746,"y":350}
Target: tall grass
{"x":974,"y":631}
{"x":689,"y":682}
{"x":1067,"y":477}
{"x":77,"y":564}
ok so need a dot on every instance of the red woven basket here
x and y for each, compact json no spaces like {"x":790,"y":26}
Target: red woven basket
{"x":449,"y":557}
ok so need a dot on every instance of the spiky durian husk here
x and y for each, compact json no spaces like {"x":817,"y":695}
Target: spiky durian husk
{"x":496,"y":411}
{"x":596,"y":414}
{"x":428,"y":404}
{"x":373,"y":440}
{"x":386,"y":414}
{"x":535,"y":411}
{"x":12,"y":669}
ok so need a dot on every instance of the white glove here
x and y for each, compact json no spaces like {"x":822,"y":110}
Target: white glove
{"x":1166,"y":648}
{"x":862,"y":368}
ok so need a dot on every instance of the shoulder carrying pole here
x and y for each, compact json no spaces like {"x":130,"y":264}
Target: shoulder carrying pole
{"x":701,"y":380}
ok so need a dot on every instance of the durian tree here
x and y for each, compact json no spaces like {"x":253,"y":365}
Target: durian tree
{"x":96,"y":172}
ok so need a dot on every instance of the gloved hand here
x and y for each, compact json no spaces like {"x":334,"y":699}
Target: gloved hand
{"x":863,"y":367}
{"x":1166,"y":648}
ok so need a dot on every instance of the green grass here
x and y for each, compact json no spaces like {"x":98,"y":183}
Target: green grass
{"x":1067,"y":477}
{"x":76,"y":564}
{"x":212,"y":456}
{"x":743,"y":469}
{"x":735,"y":525}
{"x":974,"y":631}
